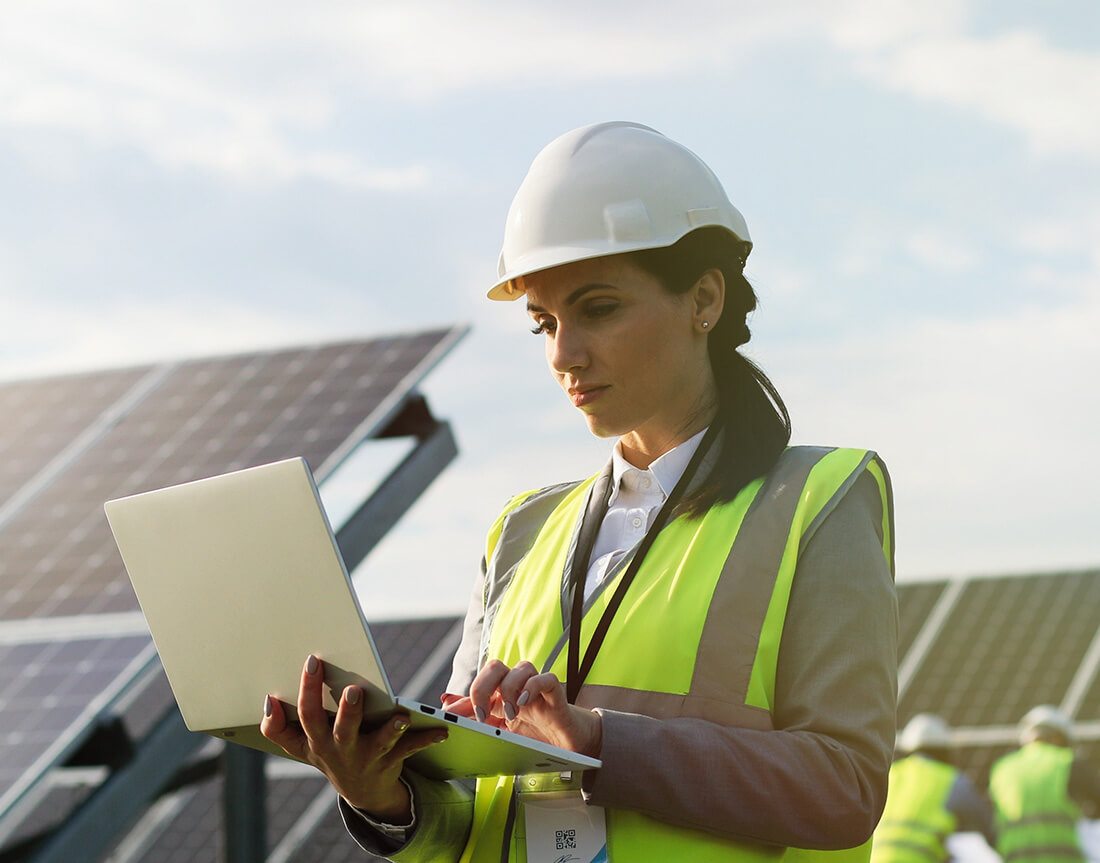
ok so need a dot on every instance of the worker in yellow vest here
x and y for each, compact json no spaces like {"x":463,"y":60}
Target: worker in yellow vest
{"x":929,"y":798}
{"x":712,"y":615}
{"x":1039,"y":789}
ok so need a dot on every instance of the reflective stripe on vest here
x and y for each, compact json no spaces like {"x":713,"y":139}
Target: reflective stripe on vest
{"x":1037,"y":819}
{"x":716,"y":593}
{"x":916,"y":822}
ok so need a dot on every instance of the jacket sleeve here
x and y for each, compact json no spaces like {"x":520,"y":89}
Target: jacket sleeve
{"x":468,"y":656}
{"x":442,"y":813}
{"x":971,"y":809}
{"x":818,"y":780}
{"x":1084,"y":786}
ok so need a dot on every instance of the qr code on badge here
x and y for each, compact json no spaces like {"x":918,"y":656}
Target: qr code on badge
{"x":565,"y":839}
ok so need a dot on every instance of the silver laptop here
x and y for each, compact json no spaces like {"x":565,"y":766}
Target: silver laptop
{"x":240,"y":578}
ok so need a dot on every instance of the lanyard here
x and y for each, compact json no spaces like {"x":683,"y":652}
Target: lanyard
{"x":578,"y":666}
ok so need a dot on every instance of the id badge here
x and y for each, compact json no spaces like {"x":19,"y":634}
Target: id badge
{"x":561,"y":828}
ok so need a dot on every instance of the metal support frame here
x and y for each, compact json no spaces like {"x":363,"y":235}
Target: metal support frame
{"x":244,"y":813}
{"x":156,"y":760}
{"x":94,"y":827}
{"x":435,"y":449}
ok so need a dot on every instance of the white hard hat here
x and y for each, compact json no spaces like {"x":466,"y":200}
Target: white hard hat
{"x":924,"y":731}
{"x":606,"y":189}
{"x":1045,"y":717}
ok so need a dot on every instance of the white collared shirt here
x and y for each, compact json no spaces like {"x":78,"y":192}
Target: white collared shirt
{"x":636,"y":498}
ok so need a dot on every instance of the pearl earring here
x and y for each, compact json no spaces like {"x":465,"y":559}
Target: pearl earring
{"x":705,"y":324}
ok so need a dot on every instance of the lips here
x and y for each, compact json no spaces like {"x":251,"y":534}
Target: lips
{"x":584,"y":395}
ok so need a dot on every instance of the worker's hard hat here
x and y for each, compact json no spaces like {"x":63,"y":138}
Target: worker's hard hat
{"x":1045,"y":717}
{"x":924,"y":731}
{"x":606,"y":189}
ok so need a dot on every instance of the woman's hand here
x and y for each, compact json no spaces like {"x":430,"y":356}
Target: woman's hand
{"x":528,"y":703}
{"x":363,"y":767}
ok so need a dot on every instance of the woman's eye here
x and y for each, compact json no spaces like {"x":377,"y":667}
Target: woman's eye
{"x":600,"y":310}
{"x":542,"y":328}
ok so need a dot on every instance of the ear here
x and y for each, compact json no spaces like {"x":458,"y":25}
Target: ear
{"x":708,"y":297}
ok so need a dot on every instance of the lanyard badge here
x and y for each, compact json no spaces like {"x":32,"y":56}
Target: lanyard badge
{"x":561,"y":828}
{"x":576,"y":665}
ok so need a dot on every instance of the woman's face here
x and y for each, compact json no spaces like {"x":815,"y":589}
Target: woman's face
{"x":630,"y":355}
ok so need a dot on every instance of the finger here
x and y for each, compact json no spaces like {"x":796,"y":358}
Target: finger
{"x":449,"y":698}
{"x":513,"y":684}
{"x":311,"y":709}
{"x":276,"y":729}
{"x":484,"y":685}
{"x":388,"y":735}
{"x":416,"y":741}
{"x":462,"y":707}
{"x":546,"y":686}
{"x":349,"y":717}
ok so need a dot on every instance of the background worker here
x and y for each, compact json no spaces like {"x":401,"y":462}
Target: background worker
{"x":929,"y":798}
{"x":712,"y":614}
{"x":1039,"y":791}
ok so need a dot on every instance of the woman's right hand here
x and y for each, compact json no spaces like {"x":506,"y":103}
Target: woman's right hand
{"x":363,"y":767}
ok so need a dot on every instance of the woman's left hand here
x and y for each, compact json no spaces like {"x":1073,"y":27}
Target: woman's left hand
{"x":528,"y":703}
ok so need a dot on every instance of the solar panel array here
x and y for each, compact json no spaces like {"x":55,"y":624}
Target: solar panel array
{"x":1055,"y":616}
{"x":70,"y":633}
{"x":1003,"y":646}
{"x":980,"y":652}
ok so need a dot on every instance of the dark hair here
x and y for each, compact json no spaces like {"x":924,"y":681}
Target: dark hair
{"x":755,"y":424}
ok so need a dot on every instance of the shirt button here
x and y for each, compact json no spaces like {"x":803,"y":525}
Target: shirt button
{"x":637,"y":522}
{"x":646,"y":482}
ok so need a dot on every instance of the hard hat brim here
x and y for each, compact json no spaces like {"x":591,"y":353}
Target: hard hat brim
{"x":506,"y":288}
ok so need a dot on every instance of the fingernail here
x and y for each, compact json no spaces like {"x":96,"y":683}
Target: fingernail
{"x":311,"y":664}
{"x":401,"y":724}
{"x":509,"y":711}
{"x":267,"y":705}
{"x":479,"y":714}
{"x":439,"y":738}
{"x":351,"y":695}
{"x":524,"y":697}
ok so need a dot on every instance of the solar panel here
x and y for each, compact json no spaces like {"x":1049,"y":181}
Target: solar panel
{"x":42,"y":418}
{"x":1090,"y":704}
{"x":1010,"y":643}
{"x":190,"y":833}
{"x":204,"y":417}
{"x":915,"y":602}
{"x":45,"y":687}
{"x":75,"y":441}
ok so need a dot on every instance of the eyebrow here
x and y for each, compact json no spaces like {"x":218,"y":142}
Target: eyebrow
{"x":573,"y":297}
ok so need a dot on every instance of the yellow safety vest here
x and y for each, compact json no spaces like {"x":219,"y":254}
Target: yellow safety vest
{"x":695,"y":567}
{"x":1036,"y":817}
{"x":916,"y":822}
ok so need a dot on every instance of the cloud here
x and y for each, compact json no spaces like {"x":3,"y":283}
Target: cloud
{"x":1016,"y":78}
{"x":938,"y":250}
{"x":425,"y":49}
{"x":56,"y":336}
{"x":259,"y":92}
{"x":213,"y":89}
{"x":984,"y":425}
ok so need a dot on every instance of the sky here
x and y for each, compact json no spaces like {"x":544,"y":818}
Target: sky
{"x":921,"y":182}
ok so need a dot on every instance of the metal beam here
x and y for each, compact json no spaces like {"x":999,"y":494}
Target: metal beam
{"x":244,"y":797}
{"x":96,"y":825}
{"x":922,"y":644}
{"x":435,"y":449}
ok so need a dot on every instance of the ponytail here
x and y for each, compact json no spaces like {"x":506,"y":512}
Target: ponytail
{"x":755,"y":424}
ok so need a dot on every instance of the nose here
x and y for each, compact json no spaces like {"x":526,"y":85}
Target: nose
{"x":567,"y":351}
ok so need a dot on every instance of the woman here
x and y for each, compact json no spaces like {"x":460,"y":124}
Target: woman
{"x":735,"y":666}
